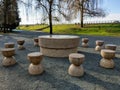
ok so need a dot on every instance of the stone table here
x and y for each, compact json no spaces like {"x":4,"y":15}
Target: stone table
{"x":58,"y":45}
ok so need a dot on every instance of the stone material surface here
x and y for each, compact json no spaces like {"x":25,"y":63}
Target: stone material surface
{"x":35,"y":67}
{"x":76,"y":69}
{"x":58,"y":45}
{"x":9,"y":61}
{"x":57,"y":52}
{"x":8,"y":52}
{"x":8,"y":58}
{"x":99,"y":44}
{"x":56,"y":76}
{"x":59,"y":41}
{"x":76,"y":59}
{"x":20,"y":44}
{"x":110,"y":46}
{"x":107,"y":61}
{"x":36,"y":42}
{"x":85,"y":42}
{"x":108,"y":54}
{"x":9,"y":45}
{"x":35,"y":57}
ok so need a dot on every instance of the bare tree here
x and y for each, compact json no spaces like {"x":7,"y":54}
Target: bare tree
{"x":49,"y":8}
{"x":85,"y":8}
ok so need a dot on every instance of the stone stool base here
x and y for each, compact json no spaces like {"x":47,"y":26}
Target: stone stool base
{"x":8,"y":61}
{"x":85,"y":45}
{"x":99,"y":44}
{"x":107,"y":63}
{"x":35,"y":69}
{"x":98,"y":48}
{"x":36,"y":42}
{"x":21,"y":47}
{"x":85,"y":42}
{"x":76,"y":70}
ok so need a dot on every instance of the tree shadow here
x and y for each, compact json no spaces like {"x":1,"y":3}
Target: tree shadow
{"x":107,"y":85}
{"x":19,"y":78}
{"x":92,"y":61}
{"x":40,"y":29}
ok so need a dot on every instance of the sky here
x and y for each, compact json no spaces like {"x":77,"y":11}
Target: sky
{"x":112,"y":8}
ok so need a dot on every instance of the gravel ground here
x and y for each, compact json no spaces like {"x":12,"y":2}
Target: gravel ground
{"x":55,"y":76}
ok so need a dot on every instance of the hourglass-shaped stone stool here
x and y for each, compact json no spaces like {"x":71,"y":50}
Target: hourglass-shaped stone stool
{"x":107,"y":61}
{"x":36,"y":42}
{"x":99,"y":44}
{"x":110,"y":46}
{"x":76,"y":69}
{"x":8,"y":59}
{"x":9,"y":45}
{"x":85,"y":42}
{"x":20,"y":44}
{"x":35,"y":67}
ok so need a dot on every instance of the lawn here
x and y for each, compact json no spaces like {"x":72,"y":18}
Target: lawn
{"x":89,"y":29}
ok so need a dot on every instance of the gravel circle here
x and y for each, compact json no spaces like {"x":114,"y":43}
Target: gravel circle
{"x":55,"y":76}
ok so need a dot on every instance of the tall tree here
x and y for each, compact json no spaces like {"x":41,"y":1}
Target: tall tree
{"x":49,"y":8}
{"x":9,"y":14}
{"x":85,"y":8}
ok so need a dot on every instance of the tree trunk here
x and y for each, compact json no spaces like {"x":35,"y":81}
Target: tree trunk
{"x":50,"y":18}
{"x":81,"y":23}
{"x":81,"y":14}
{"x":5,"y":15}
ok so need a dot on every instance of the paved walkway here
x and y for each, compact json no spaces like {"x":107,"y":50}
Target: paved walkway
{"x":55,"y":76}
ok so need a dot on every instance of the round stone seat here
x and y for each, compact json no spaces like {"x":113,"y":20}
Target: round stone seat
{"x":85,"y":42}
{"x":76,"y":58}
{"x":35,"y":67}
{"x":35,"y":57}
{"x":9,"y":45}
{"x":58,"y":45}
{"x":8,"y":59}
{"x":110,"y":46}
{"x":8,"y":52}
{"x":76,"y":69}
{"x":99,"y":44}
{"x":36,"y":42}
{"x":107,"y":61}
{"x":20,"y":44}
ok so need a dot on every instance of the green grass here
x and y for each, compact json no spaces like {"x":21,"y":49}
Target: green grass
{"x":92,"y":29}
{"x":31,"y":27}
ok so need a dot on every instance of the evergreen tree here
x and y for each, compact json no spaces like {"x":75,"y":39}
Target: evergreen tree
{"x":9,"y":14}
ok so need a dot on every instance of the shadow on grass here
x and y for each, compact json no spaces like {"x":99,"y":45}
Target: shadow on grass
{"x":42,"y":28}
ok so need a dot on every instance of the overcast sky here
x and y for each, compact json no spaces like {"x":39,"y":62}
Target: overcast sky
{"x":110,"y":6}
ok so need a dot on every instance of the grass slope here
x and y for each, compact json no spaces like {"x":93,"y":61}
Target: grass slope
{"x":90,"y":29}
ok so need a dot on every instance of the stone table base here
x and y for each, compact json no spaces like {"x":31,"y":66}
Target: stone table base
{"x":57,"y":52}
